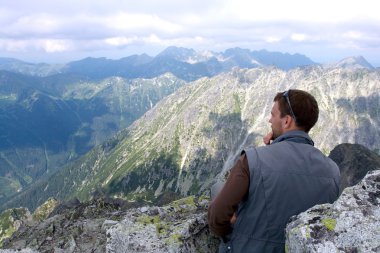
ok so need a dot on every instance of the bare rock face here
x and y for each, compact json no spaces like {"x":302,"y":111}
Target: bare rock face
{"x":350,"y":224}
{"x":178,"y":227}
{"x":354,"y":161}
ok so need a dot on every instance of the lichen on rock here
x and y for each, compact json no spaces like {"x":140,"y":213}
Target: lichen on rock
{"x":11,"y":220}
{"x":180,"y":226}
{"x":115,"y":225}
{"x":350,"y":224}
{"x":43,"y":211}
{"x":329,"y":223}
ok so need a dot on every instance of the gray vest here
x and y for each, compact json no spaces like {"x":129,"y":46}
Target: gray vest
{"x":286,"y":178}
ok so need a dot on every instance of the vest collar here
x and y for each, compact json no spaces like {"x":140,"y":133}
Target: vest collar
{"x":295,"y":136}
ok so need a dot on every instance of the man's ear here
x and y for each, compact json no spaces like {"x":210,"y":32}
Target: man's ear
{"x":288,"y":122}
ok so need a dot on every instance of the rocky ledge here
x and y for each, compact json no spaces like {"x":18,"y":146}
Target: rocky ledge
{"x":110,"y":225}
{"x":350,"y":224}
{"x":179,"y":227}
{"x":66,"y":227}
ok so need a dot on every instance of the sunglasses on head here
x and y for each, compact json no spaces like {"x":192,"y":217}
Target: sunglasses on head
{"x":286,"y":96}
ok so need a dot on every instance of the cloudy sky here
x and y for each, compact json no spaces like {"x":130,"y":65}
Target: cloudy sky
{"x":59,"y":31}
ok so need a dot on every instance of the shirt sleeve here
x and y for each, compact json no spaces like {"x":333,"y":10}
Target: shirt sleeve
{"x":223,"y":207}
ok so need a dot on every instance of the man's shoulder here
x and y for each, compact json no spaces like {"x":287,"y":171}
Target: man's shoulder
{"x":258,"y":149}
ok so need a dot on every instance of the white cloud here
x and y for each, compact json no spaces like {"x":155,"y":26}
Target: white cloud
{"x":178,"y":41}
{"x":13,"y":45}
{"x":125,"y":21}
{"x":41,"y":45}
{"x":31,"y":25}
{"x":272,"y":39}
{"x":315,"y":28}
{"x":348,"y":45}
{"x":353,"y":35}
{"x":322,"y":11}
{"x":53,"y":46}
{"x":298,"y":37}
{"x":120,"y":41}
{"x":153,"y":38}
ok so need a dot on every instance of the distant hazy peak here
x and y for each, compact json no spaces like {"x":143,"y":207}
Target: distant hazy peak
{"x":356,"y":62}
{"x":177,"y":53}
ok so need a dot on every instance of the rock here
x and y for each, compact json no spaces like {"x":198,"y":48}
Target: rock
{"x":43,"y":211}
{"x":75,"y":227}
{"x":18,"y":251}
{"x":178,"y":227}
{"x":62,"y":207}
{"x":69,"y":246}
{"x":107,"y":224}
{"x":350,"y":224}
{"x":11,"y":220}
{"x":354,"y":161}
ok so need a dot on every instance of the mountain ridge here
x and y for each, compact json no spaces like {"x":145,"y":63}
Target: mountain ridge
{"x":358,"y":62}
{"x":193,"y":136}
{"x":186,"y":64}
{"x":48,"y":121}
{"x":196,"y":64}
{"x":84,"y":102}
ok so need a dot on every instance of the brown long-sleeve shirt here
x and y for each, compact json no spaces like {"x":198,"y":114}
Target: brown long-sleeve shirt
{"x":223,"y":207}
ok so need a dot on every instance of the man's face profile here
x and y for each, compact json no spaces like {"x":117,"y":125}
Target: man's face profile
{"x":276,"y":121}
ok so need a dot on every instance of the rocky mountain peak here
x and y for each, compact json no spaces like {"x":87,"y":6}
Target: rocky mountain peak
{"x":355,"y":62}
{"x":178,"y":53}
{"x":354,"y":161}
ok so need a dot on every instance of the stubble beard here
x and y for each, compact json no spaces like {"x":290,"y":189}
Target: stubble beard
{"x":275,"y":133}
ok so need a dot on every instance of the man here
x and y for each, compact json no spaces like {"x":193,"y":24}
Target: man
{"x":270,"y":184}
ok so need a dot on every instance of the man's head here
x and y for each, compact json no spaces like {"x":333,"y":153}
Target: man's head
{"x":293,"y":110}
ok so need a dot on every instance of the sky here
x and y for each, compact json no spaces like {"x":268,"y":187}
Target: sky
{"x":55,"y":31}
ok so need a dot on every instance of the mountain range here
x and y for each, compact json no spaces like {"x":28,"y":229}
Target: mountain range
{"x":193,"y":136}
{"x":53,"y":113}
{"x":48,"y":121}
{"x":186,"y":64}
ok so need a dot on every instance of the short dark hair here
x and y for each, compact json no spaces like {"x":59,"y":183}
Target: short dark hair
{"x":304,"y":106}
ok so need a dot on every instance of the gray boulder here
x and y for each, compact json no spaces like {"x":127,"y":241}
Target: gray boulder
{"x":11,"y":220}
{"x":350,"y":224}
{"x":18,"y":251}
{"x":178,"y":227}
{"x":354,"y":161}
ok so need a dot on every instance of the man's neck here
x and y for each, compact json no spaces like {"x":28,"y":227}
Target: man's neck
{"x":292,"y":128}
{"x":297,"y":135}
